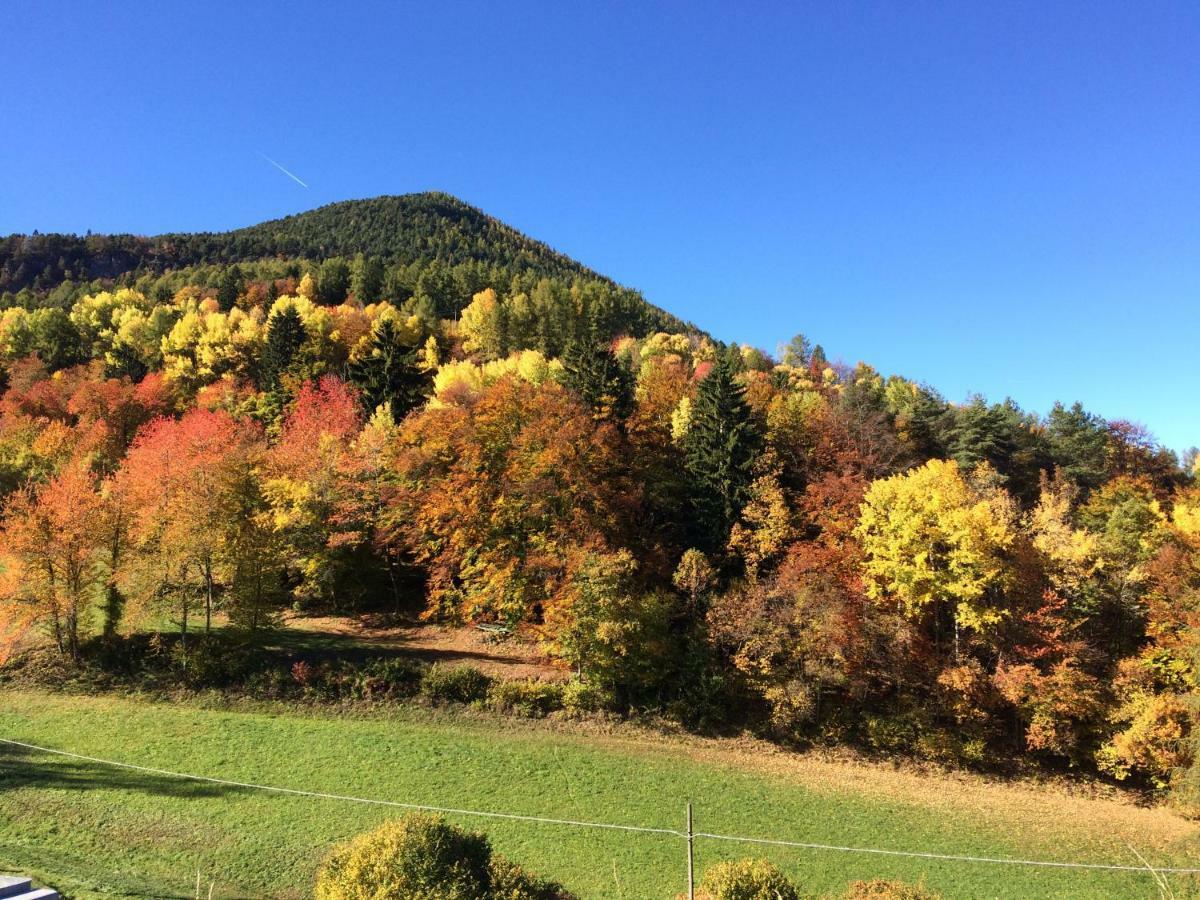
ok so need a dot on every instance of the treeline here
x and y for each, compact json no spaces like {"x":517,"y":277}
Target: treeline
{"x":806,"y":548}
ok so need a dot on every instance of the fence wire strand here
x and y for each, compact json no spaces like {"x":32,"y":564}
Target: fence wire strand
{"x":321,"y":795}
{"x":575,"y":823}
{"x":948,"y":857}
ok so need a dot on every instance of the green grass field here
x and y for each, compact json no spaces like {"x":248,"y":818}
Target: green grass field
{"x":95,"y":831}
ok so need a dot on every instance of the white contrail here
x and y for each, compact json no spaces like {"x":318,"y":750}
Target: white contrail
{"x":283,"y":170}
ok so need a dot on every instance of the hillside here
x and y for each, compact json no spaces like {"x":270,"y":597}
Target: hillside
{"x":808,"y":552}
{"x":408,"y":228}
{"x":415,"y":230}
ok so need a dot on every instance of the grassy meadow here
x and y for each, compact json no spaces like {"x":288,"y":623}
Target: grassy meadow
{"x":95,"y":831}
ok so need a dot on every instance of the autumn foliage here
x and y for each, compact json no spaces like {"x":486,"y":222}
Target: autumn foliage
{"x":802,"y":547}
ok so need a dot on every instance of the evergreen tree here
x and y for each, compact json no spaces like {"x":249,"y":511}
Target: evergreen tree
{"x":1078,"y":444}
{"x":1005,"y":438}
{"x":981,"y":433}
{"x":598,"y":377}
{"x":436,"y":283}
{"x":925,"y":423}
{"x":229,"y":288}
{"x":389,"y":374}
{"x":333,"y":281}
{"x":368,"y":279}
{"x":720,"y":447}
{"x":285,"y":336}
{"x":123,"y":360}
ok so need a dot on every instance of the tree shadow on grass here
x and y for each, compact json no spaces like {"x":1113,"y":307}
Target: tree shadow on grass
{"x":22,"y":768}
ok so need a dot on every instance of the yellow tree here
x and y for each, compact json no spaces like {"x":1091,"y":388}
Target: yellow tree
{"x":765,"y":528}
{"x":1070,"y":555}
{"x":937,"y":543}
{"x":483,"y":325}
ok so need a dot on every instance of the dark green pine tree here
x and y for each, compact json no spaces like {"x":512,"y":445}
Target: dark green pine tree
{"x":592,"y":371}
{"x":721,"y":445}
{"x":229,"y":288}
{"x":368,"y":279}
{"x":1078,"y":444}
{"x":123,"y":360}
{"x":389,"y":374}
{"x":1004,"y":437}
{"x":925,"y":425}
{"x":333,"y":281}
{"x":285,"y":336}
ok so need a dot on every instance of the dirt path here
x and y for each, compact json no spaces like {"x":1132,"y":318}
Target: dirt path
{"x":511,"y":657}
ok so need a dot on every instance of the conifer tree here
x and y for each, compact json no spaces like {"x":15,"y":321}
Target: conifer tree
{"x":229,"y":288}
{"x":599,"y":378}
{"x":333,"y":282}
{"x":368,"y":279}
{"x":389,"y":373}
{"x":1078,"y":444}
{"x":285,"y":336}
{"x":721,"y":445}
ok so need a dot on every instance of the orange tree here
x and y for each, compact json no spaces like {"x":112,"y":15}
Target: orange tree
{"x":498,"y":498}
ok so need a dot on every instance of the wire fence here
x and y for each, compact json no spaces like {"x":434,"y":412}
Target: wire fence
{"x":688,"y":835}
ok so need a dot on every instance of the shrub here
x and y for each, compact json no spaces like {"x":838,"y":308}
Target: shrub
{"x":416,"y":857}
{"x":211,"y":662}
{"x":747,"y":879}
{"x":454,"y":684}
{"x":387,"y":679}
{"x":895,"y":733}
{"x":528,"y":697}
{"x":879,"y":889}
{"x":423,"y":858}
{"x":583,"y":697}
{"x":302,"y":673}
{"x":270,"y":684}
{"x":510,"y":882}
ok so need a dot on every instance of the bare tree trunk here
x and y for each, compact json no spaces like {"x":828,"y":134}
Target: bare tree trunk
{"x":208,"y":597}
{"x":183,"y":623}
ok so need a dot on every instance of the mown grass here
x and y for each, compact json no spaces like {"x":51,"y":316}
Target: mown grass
{"x":95,"y":831}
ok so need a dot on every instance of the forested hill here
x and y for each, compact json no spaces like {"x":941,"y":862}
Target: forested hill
{"x":414,"y":231}
{"x":245,"y":424}
{"x":406,"y":228}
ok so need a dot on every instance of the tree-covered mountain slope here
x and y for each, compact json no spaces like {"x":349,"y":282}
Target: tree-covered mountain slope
{"x":417,"y":231}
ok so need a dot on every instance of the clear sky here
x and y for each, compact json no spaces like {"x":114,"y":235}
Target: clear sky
{"x":1002,"y":198}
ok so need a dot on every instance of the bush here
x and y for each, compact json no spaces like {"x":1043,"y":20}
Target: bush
{"x":896,"y":733}
{"x":387,"y":679}
{"x":454,"y":684}
{"x":880,"y":889}
{"x":529,"y":697}
{"x":270,"y":684}
{"x":747,"y":879}
{"x":511,"y":882}
{"x":212,"y":663}
{"x":583,"y":697}
{"x":416,"y":857}
{"x":423,"y":858}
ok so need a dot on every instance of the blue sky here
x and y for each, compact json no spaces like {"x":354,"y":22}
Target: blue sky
{"x":1002,"y":198}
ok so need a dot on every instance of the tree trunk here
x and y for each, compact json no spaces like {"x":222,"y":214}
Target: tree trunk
{"x":208,"y":596}
{"x":183,"y":623}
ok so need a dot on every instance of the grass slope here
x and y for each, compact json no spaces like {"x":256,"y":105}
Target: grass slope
{"x":96,"y":831}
